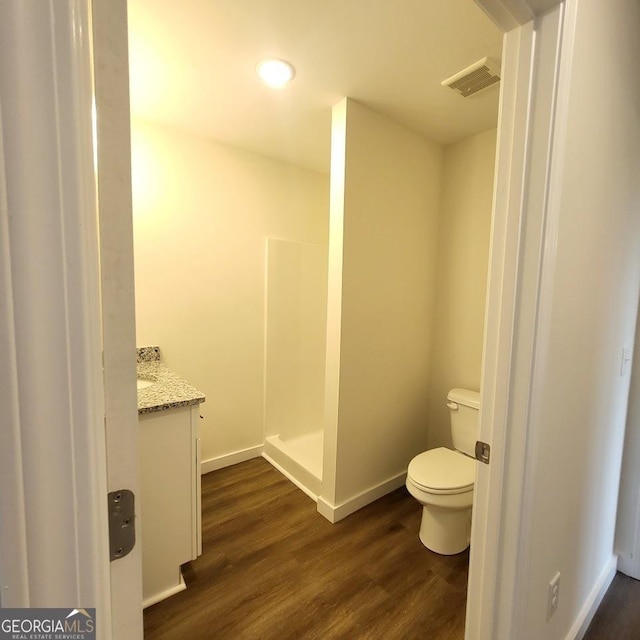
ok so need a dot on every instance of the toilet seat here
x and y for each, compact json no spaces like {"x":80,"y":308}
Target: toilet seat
{"x":442,"y":471}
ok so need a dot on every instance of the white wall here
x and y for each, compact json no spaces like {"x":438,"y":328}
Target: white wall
{"x":202,"y":212}
{"x":385,"y":196}
{"x":579,"y":403}
{"x":463,"y":253}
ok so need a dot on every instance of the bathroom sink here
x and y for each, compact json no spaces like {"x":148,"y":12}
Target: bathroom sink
{"x":143,"y":383}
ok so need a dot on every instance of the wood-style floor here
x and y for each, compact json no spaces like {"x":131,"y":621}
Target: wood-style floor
{"x":273,"y":568}
{"x":618,"y":617}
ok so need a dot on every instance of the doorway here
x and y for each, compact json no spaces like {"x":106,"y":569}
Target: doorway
{"x":165,"y":217}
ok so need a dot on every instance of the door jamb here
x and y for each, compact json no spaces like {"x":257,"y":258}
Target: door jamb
{"x":510,"y":326}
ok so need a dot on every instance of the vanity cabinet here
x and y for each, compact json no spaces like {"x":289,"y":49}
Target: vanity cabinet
{"x":169,"y":498}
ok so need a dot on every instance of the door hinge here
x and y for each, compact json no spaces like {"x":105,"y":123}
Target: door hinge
{"x":483,"y":452}
{"x":122,"y":530}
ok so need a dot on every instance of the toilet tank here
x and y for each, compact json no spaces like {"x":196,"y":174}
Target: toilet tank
{"x":464,"y":409}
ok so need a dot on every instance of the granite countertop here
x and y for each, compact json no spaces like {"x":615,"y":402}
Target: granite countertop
{"x":168,"y":390}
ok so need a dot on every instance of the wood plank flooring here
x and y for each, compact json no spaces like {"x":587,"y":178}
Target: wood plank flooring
{"x":618,"y":617}
{"x":273,"y":568}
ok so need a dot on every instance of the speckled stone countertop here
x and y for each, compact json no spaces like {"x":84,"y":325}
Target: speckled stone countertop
{"x":168,"y":389}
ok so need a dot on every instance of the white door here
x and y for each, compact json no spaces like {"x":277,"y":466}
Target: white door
{"x":66,"y":299}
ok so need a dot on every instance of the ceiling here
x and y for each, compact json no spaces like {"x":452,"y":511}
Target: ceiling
{"x":192,"y":66}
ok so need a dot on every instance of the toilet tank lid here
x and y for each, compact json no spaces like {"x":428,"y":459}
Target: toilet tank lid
{"x":465,"y":397}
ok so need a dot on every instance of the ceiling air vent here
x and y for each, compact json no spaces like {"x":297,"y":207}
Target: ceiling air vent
{"x":479,"y":76}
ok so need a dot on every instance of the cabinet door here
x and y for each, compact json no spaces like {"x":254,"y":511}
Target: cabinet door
{"x":166,"y":492}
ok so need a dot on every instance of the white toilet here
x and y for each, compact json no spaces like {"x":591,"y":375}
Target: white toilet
{"x":441,"y":480}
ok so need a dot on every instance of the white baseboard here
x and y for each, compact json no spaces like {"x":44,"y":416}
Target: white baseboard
{"x":277,"y":453}
{"x":290,"y":476}
{"x":335,"y":513}
{"x":582,"y":622}
{"x":229,"y":459}
{"x":167,"y":593}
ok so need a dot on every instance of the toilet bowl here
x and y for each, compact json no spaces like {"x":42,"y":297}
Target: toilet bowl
{"x":442,"y":479}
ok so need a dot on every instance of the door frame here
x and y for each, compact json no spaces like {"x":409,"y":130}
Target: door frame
{"x":500,"y":487}
{"x":524,"y":178}
{"x":110,"y":39}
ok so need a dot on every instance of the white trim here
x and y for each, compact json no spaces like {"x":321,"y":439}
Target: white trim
{"x":326,"y":509}
{"x":499,"y":329}
{"x":290,"y":477}
{"x":521,"y":255}
{"x":334,"y":299}
{"x":56,"y":378}
{"x":111,"y":84}
{"x":167,"y":593}
{"x":229,"y":459}
{"x":581,"y":624}
{"x":277,"y":453}
{"x":540,"y":297}
{"x":335,"y":513}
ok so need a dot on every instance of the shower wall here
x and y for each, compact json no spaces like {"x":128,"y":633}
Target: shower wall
{"x":296,"y":304}
{"x":296,"y":328}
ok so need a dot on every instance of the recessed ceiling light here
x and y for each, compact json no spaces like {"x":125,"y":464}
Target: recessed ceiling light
{"x":275,"y":73}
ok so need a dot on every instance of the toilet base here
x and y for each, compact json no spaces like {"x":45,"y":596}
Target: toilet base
{"x":445,"y":531}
